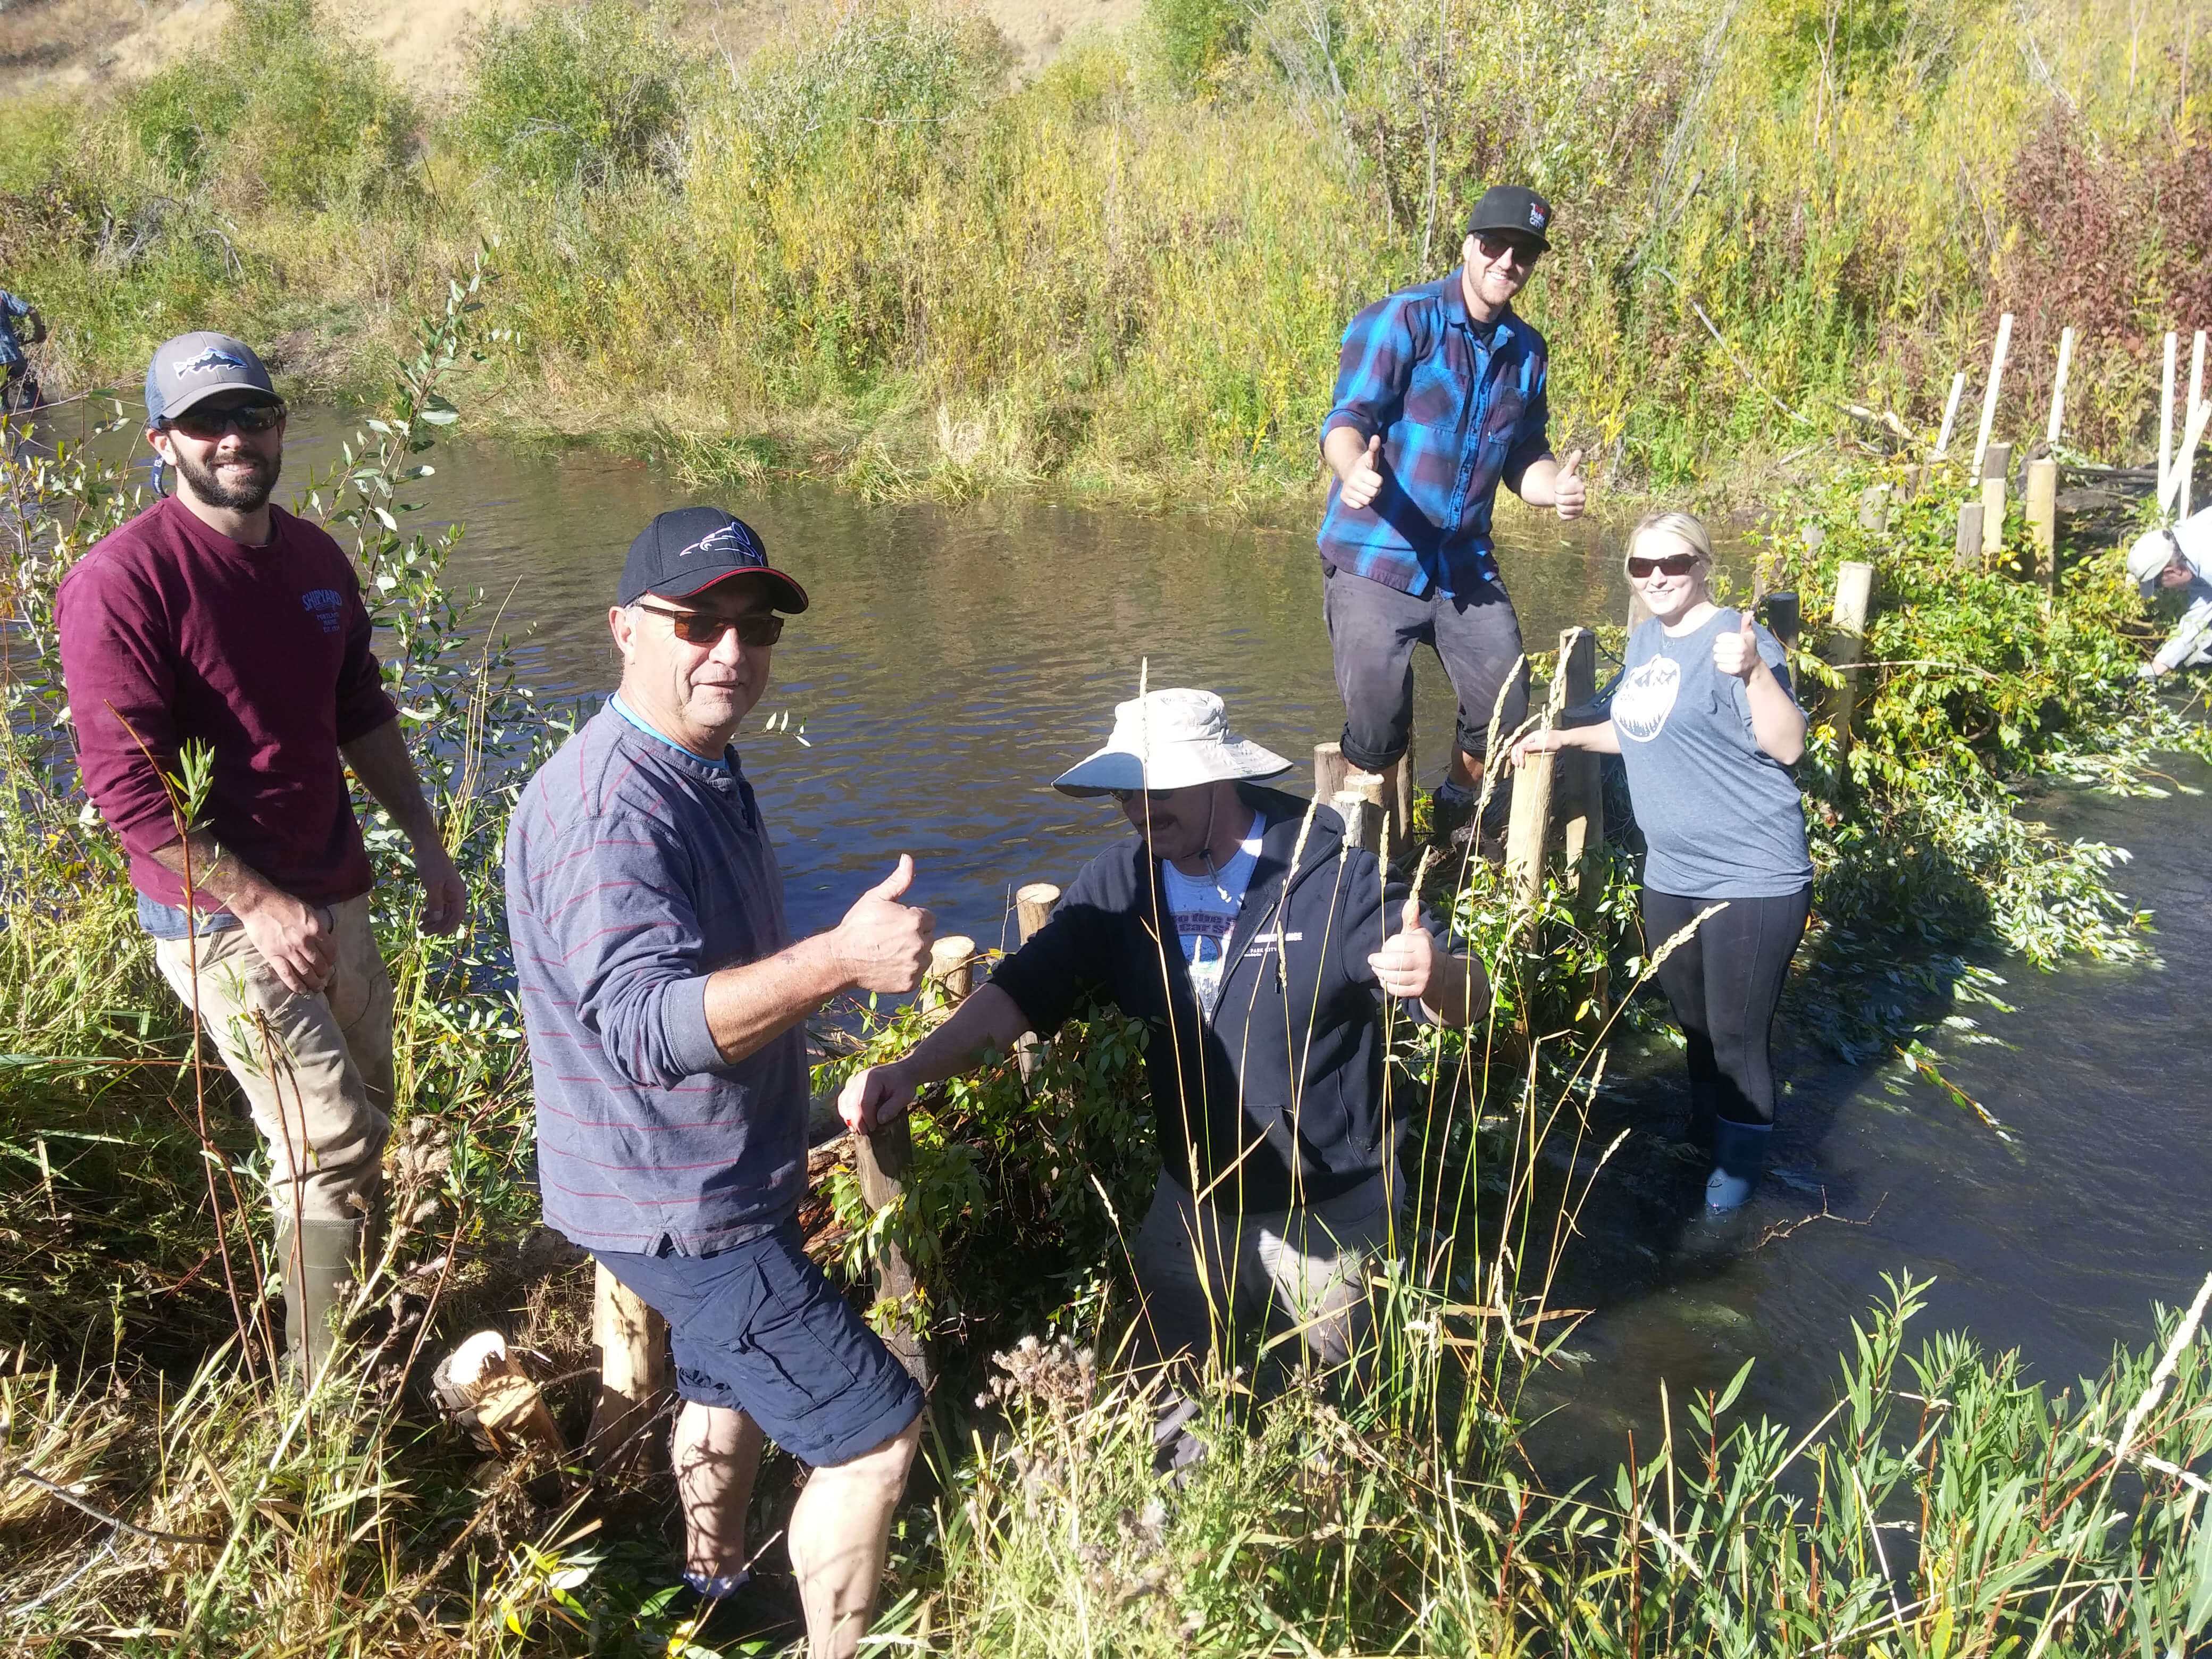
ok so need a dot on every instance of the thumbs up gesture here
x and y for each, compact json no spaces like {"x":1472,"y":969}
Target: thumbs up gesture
{"x":1737,"y":654}
{"x":1407,"y":959}
{"x":1570,"y":489}
{"x":884,"y":945}
{"x":1364,"y":482}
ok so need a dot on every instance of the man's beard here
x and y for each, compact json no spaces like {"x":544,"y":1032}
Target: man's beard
{"x":208,"y":485}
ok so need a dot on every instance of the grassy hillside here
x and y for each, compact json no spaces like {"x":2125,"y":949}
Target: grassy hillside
{"x":869,"y":251}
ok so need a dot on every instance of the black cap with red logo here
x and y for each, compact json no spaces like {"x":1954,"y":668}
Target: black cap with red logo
{"x":1511,"y":210}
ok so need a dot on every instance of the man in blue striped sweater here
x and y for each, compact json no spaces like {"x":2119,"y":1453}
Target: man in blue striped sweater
{"x":663,"y":995}
{"x":1441,"y":395}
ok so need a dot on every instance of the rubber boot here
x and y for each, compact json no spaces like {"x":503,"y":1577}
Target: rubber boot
{"x":1740,"y":1155}
{"x":319,"y":1272}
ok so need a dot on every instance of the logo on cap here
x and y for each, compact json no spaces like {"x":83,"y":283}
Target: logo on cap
{"x":729,"y":541}
{"x":1535,"y":218}
{"x":209,"y":359}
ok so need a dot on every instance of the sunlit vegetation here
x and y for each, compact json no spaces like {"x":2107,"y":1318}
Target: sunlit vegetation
{"x":864,"y":251}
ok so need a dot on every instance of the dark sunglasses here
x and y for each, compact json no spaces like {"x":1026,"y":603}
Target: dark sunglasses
{"x":698,"y":628}
{"x":1123,"y":797}
{"x":1674,"y":564}
{"x":1496,"y":247}
{"x":207,"y":424}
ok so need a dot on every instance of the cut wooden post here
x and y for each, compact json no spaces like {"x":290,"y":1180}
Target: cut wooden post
{"x":1854,"y":589}
{"x":633,"y":1344}
{"x":1329,"y":768}
{"x":2059,"y":389}
{"x":1033,"y":906}
{"x":882,"y":1157}
{"x":1996,"y":467}
{"x":1392,"y":789}
{"x":1990,"y":393}
{"x":484,"y":1387}
{"x":951,"y":972}
{"x":1873,"y":508}
{"x":2040,"y":492}
{"x":1966,"y":550}
{"x":1579,"y":781}
{"x":1528,"y":824}
{"x":1363,"y":818}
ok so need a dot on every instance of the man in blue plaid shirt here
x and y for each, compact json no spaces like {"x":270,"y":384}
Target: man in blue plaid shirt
{"x":1440,"y":396}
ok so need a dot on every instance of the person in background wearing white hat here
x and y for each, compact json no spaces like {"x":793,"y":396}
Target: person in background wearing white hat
{"x":1267,"y":1048}
{"x":2179,"y":557}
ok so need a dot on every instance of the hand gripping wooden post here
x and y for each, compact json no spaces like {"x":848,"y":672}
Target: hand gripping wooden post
{"x":483,"y":1386}
{"x":1854,"y":589}
{"x":1580,"y":780}
{"x":633,"y":1344}
{"x":882,"y":1157}
{"x":1033,"y":906}
{"x":1527,"y":827}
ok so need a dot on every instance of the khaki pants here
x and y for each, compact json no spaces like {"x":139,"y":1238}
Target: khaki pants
{"x":1202,"y":1270}
{"x":316,"y":1070}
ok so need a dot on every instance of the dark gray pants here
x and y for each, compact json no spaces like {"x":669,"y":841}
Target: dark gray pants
{"x":1373,"y":629}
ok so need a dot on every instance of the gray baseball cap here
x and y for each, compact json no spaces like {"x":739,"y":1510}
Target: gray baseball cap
{"x":196,"y":365}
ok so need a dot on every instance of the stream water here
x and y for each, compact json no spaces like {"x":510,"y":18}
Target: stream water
{"x":956,"y":657}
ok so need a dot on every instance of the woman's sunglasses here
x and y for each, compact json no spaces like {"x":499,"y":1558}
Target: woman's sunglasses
{"x":698,"y":628}
{"x":209,"y":424}
{"x":1673,"y":564}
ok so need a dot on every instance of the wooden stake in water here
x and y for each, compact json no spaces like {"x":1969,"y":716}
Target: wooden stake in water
{"x":1990,"y":393}
{"x":2059,"y":388}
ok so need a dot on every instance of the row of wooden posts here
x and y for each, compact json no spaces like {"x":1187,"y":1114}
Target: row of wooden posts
{"x":1981,"y":517}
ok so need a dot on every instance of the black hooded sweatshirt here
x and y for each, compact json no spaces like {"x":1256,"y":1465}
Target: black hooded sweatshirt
{"x":1288,"y":1076}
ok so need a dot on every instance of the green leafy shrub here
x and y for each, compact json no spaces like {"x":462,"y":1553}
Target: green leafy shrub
{"x":286,"y":110}
{"x":574,"y":97}
{"x":1194,"y":38}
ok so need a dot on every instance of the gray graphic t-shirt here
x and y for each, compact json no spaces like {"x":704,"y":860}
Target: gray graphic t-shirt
{"x":1721,"y":815}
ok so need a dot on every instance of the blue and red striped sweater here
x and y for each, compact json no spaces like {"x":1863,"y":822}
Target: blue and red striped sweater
{"x":635,"y":869}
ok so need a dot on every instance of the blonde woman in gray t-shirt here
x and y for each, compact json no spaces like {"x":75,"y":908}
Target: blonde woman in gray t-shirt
{"x":1706,"y":724}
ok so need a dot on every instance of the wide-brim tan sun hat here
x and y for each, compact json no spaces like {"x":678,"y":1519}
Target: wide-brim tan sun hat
{"x":2148,"y":559}
{"x":1169,"y":740}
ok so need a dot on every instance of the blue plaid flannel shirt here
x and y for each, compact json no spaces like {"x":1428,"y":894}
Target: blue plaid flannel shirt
{"x":11,"y":350}
{"x":1457,"y":413}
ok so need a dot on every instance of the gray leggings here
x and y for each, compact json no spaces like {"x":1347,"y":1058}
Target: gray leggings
{"x":1373,"y":629}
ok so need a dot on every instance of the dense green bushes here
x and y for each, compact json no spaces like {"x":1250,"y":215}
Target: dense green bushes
{"x":865,"y":251}
{"x":286,"y":111}
{"x":574,"y":98}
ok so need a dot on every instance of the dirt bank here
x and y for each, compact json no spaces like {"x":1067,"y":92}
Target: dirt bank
{"x":80,"y":45}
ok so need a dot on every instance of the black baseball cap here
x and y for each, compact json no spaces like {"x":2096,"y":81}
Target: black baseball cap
{"x":1511,"y":210}
{"x":687,"y":551}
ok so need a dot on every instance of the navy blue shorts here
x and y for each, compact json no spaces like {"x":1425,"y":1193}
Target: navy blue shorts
{"x":758,"y":1329}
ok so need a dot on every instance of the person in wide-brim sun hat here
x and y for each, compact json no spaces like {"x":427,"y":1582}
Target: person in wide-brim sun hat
{"x":1258,"y":952}
{"x":2174,"y":557}
{"x":1169,"y":740}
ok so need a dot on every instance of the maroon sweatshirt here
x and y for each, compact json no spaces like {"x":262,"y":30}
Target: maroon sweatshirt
{"x":171,"y":633}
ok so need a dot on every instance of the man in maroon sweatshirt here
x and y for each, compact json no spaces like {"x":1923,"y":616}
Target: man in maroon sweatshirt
{"x":215,"y":619}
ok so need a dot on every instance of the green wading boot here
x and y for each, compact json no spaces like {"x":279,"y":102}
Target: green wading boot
{"x":319,"y":1274}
